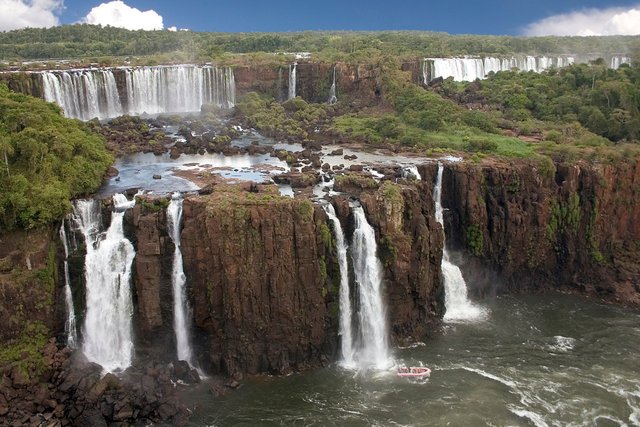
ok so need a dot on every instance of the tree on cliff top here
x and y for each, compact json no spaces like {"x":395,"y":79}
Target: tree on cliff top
{"x":47,"y":159}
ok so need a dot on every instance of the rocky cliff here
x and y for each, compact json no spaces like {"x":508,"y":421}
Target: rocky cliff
{"x":256,"y":264}
{"x":529,"y":227}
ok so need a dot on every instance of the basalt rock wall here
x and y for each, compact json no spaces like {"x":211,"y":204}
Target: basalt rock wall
{"x":534,"y":227}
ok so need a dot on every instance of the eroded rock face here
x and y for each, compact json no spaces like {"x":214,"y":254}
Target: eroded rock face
{"x":256,"y":267}
{"x":410,"y":249}
{"x":575,"y":227}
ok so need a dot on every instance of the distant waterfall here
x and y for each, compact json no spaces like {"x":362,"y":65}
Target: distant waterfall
{"x":70,"y":324}
{"x":470,"y":69}
{"x":292,"y":80}
{"x":345,"y":300}
{"x":86,"y":94}
{"x":107,"y":329}
{"x":374,"y":350}
{"x":180,"y":306}
{"x":332,"y":92}
{"x":458,"y":306}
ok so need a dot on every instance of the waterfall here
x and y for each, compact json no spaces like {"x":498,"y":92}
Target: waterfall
{"x":411,"y":172}
{"x":180,"y":306}
{"x":374,"y":349}
{"x":85,"y":94}
{"x":70,"y":324}
{"x":107,"y":329}
{"x":332,"y":92}
{"x":345,"y":300}
{"x":458,"y":306}
{"x":292,"y":80}
{"x":470,"y":69}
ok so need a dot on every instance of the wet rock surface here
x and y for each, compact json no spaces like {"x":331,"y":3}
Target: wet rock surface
{"x":73,"y":391}
{"x":575,"y":228}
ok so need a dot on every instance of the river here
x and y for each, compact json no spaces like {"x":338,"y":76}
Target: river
{"x":552,"y":360}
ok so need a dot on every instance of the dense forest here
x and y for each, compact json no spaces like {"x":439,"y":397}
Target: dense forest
{"x":76,"y":41}
{"x":45,"y":160}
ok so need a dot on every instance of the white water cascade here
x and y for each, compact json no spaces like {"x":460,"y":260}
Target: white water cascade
{"x":374,"y":348}
{"x":181,"y":309}
{"x":292,"y":80}
{"x":85,"y":94}
{"x":411,"y":172}
{"x":70,"y":324}
{"x":345,"y":300}
{"x":332,"y":92}
{"x":470,"y":68}
{"x":458,"y":306}
{"x":107,"y":329}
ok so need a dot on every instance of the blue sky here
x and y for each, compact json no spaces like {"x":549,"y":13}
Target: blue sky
{"x":462,"y":17}
{"x":511,"y":17}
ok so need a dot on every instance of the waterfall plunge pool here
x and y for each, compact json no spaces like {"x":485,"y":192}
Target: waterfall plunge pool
{"x":550,"y":360}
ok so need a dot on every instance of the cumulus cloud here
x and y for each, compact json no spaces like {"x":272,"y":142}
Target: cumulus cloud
{"x":589,"y":22}
{"x":117,"y":14}
{"x":16,"y":14}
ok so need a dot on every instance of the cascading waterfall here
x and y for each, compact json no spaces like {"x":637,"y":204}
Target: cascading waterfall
{"x":85,"y":94}
{"x":70,"y":324}
{"x":470,"y":69}
{"x":411,"y":172}
{"x":332,"y":92}
{"x":373,"y":350}
{"x":292,"y":80}
{"x":107,"y":329}
{"x":345,"y":300}
{"x":458,"y":306}
{"x":180,"y":306}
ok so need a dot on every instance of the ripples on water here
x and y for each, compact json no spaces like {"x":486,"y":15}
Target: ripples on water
{"x":543,"y":361}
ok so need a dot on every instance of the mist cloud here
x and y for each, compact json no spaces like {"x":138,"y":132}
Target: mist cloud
{"x":589,"y":22}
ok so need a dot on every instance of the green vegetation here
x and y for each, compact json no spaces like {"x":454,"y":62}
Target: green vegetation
{"x":294,"y":119}
{"x":426,"y":120}
{"x":475,"y":239}
{"x":586,"y":105}
{"x":46,"y":160}
{"x":102,"y":44}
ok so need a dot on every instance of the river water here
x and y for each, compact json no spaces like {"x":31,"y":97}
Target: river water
{"x":551,"y":360}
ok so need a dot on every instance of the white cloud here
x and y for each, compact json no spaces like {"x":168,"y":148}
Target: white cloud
{"x":117,"y":14}
{"x":173,"y":29}
{"x":16,"y":14}
{"x":589,"y":22}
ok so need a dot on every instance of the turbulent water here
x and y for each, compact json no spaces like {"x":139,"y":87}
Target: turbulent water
{"x":373,"y":349}
{"x":292,"y":80}
{"x":178,"y":280}
{"x":85,"y":94}
{"x":70,"y":323}
{"x":346,"y":334}
{"x":470,"y":69}
{"x":107,"y":332}
{"x":457,"y":304}
{"x":537,"y":361}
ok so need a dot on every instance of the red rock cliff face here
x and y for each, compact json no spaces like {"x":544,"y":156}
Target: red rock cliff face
{"x":256,"y":270}
{"x":576,"y":228}
{"x":355,"y":82}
